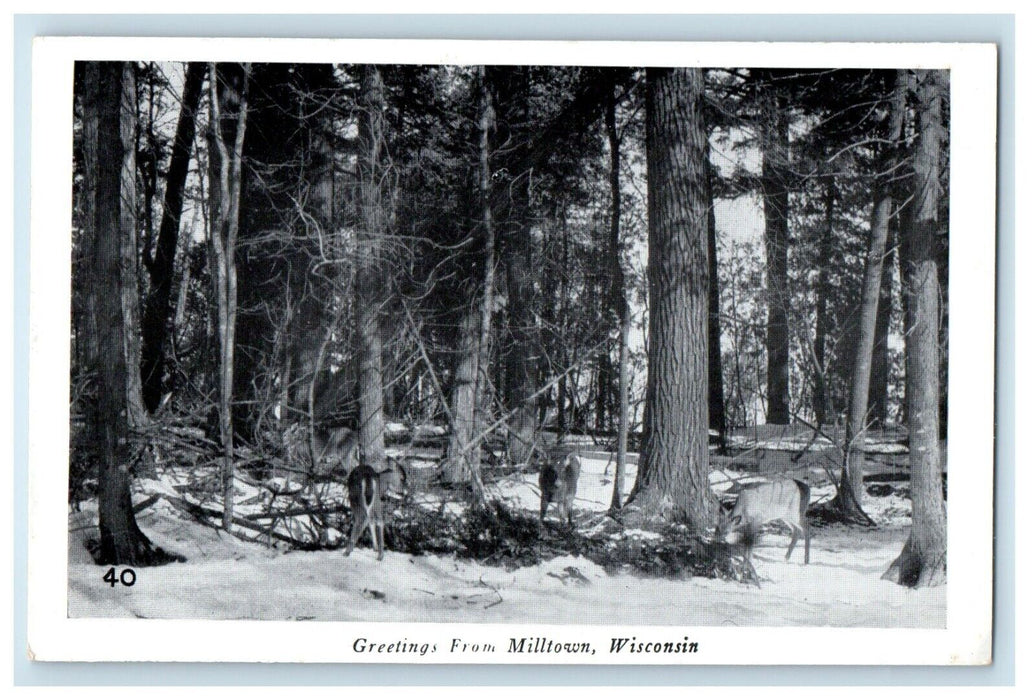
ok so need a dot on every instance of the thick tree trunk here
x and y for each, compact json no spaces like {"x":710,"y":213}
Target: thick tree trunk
{"x":487,"y":122}
{"x":673,"y":477}
{"x":466,"y":458}
{"x":157,"y":307}
{"x":923,"y":560}
{"x":85,"y":288}
{"x":510,"y":95}
{"x":135,"y":412}
{"x":620,"y":308}
{"x":717,"y":405}
{"x":850,"y":490}
{"x":455,"y":469}
{"x":943,"y":260}
{"x":521,"y":358}
{"x":369,"y":284}
{"x":122,"y":542}
{"x":775,"y":208}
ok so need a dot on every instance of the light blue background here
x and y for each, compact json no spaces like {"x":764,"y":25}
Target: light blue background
{"x":954,"y":28}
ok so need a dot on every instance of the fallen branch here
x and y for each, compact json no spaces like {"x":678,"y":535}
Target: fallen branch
{"x":271,"y":515}
{"x":201,"y":513}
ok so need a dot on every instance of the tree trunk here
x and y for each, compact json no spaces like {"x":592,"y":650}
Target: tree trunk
{"x":157,"y":306}
{"x":454,"y":469}
{"x":717,"y":405}
{"x":86,"y":297}
{"x":521,"y":354}
{"x":620,"y":308}
{"x":465,"y":457}
{"x":850,"y":491}
{"x":604,"y":381}
{"x":562,"y":324}
{"x":128,"y":246}
{"x":228,"y":102}
{"x":775,"y":208}
{"x":877,"y":400}
{"x":509,"y":91}
{"x":821,"y":400}
{"x":672,"y":481}
{"x":369,"y":273}
{"x":487,"y":120}
{"x":923,"y":559}
{"x":122,"y":542}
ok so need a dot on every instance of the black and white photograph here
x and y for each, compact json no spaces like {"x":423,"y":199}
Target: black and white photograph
{"x":597,"y":360}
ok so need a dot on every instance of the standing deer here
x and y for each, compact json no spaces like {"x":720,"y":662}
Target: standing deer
{"x":367,"y":488}
{"x":558,"y":482}
{"x":783,"y":500}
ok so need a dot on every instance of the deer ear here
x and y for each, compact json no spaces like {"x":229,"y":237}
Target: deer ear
{"x":736,"y":520}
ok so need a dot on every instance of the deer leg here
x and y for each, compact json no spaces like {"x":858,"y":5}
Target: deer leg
{"x":794,"y":539}
{"x":372,"y":525}
{"x":380,"y":527}
{"x":359,"y":521}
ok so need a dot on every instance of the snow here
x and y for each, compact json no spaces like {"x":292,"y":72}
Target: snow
{"x":227,"y":578}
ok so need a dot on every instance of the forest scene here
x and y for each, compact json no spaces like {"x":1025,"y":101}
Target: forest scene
{"x":509,"y":343}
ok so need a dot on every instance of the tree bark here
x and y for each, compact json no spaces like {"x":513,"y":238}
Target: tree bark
{"x":135,"y":412}
{"x":672,"y":481}
{"x":923,"y":559}
{"x":620,"y":308}
{"x":369,"y":273}
{"x":455,"y":470}
{"x":877,"y":400}
{"x":717,"y":405}
{"x":511,"y":90}
{"x":112,"y":125}
{"x":157,"y":307}
{"x":562,"y":325}
{"x":821,"y":400}
{"x":850,"y":490}
{"x":465,"y":459}
{"x":775,"y":208}
{"x":85,"y":269}
{"x":228,"y":102}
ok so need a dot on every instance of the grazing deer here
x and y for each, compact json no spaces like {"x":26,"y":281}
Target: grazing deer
{"x":367,"y":488}
{"x":558,"y":481}
{"x":783,"y":500}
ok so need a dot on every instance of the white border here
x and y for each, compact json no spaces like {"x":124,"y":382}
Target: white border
{"x":967,"y":637}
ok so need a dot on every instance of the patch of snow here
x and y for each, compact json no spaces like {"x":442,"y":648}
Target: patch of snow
{"x":282,"y":485}
{"x":842,"y":586}
{"x":638,"y":535}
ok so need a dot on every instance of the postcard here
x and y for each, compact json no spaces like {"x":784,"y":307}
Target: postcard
{"x":522,"y":352}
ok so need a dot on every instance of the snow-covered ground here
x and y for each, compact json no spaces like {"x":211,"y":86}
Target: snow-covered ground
{"x":227,"y":578}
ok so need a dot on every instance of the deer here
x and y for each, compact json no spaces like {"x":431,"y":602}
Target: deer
{"x":783,"y":500}
{"x":367,"y":489}
{"x":558,"y":480}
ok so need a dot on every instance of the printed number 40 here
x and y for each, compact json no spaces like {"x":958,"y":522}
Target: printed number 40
{"x":127,"y":578}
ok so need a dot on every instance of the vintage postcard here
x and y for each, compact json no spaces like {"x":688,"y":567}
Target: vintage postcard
{"x":512,"y":352}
